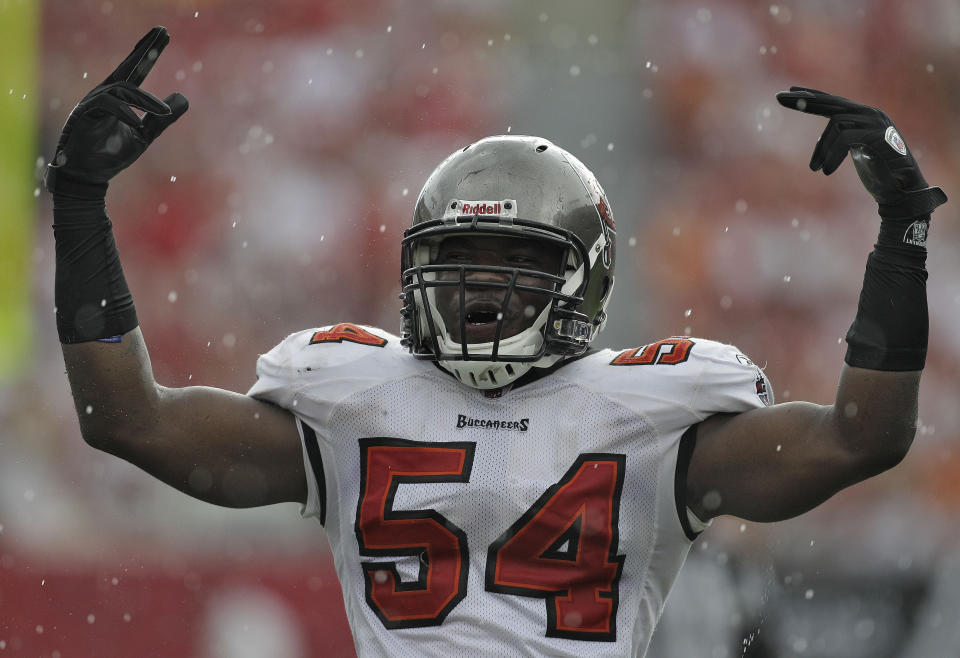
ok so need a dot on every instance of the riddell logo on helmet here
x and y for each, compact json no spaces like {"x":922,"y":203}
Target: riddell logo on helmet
{"x":503,"y":209}
{"x":480,"y":208}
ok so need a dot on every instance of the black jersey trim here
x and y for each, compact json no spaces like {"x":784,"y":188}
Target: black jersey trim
{"x":687,"y":443}
{"x":316,"y":465}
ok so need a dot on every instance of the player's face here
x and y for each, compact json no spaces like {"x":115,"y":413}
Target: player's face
{"x":482,"y":304}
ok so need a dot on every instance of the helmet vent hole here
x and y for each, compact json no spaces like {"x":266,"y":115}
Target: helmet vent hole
{"x":509,"y":369}
{"x":465,"y":148}
{"x":473,"y":378}
{"x":508,"y":205}
{"x":453,"y":206}
{"x":492,"y":377}
{"x":541,"y":148}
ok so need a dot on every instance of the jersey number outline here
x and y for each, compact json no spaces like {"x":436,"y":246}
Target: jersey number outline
{"x":581,"y":583}
{"x":562,"y":549}
{"x":440,"y":545}
{"x":667,"y":352}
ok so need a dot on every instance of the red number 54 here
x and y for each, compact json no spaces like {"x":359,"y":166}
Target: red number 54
{"x":563,"y":549}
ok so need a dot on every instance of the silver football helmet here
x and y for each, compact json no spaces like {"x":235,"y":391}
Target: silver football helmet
{"x":528,"y":189}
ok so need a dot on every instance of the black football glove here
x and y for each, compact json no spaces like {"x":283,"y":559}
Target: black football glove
{"x":102,"y":135}
{"x":883,"y":162}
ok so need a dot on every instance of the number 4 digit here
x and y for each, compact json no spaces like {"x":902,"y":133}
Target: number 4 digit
{"x":563,"y":549}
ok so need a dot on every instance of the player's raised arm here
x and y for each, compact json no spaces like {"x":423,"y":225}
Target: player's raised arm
{"x":215,"y":445}
{"x":777,"y":462}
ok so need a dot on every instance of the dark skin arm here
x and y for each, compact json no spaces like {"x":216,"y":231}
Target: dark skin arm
{"x":776,"y":462}
{"x":215,"y":445}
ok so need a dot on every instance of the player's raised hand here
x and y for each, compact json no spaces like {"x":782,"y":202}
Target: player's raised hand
{"x":102,"y":136}
{"x":884,"y":163}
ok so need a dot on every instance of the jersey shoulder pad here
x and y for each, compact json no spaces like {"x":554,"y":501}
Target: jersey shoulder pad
{"x":328,"y":361}
{"x":729,"y":381}
{"x":701,"y":375}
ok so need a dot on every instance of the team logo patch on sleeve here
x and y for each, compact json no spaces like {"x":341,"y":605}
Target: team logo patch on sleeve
{"x":763,"y":389}
{"x":347,"y":332}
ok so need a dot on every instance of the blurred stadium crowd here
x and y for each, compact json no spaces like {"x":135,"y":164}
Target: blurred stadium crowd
{"x":278,"y":203}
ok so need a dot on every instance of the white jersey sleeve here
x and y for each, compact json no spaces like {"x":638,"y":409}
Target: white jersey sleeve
{"x":678,"y":382}
{"x":309,"y":372}
{"x":688,"y":379}
{"x":729,"y":382}
{"x":332,"y":362}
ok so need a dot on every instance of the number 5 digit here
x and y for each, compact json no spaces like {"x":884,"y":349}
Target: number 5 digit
{"x":441,"y":546}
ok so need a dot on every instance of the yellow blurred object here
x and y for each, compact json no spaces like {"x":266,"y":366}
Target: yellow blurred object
{"x":18,"y":70}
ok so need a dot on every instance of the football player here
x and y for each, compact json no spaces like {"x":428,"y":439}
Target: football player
{"x":488,"y":482}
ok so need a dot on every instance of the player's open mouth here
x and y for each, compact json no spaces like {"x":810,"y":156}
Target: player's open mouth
{"x":480,"y":312}
{"x":481,"y":317}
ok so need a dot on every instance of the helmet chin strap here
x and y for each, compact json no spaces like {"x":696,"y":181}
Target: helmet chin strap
{"x":486,"y":375}
{"x":492,"y":374}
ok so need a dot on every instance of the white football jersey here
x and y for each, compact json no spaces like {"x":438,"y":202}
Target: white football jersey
{"x":550,"y":521}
